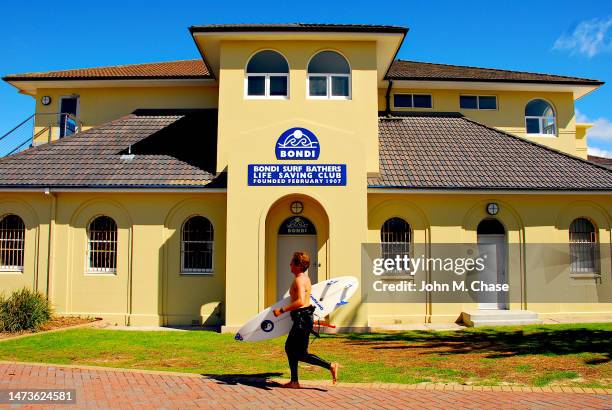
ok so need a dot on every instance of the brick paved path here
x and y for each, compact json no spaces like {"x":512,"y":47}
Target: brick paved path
{"x":110,"y":388}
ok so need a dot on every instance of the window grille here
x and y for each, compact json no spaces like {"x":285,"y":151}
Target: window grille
{"x":197,"y":246}
{"x":102,"y":247}
{"x":12,"y":243}
{"x":584,"y":250}
{"x":395,"y":237}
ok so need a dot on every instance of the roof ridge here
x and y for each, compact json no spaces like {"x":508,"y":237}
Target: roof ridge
{"x":495,"y":69}
{"x":99,"y":67}
{"x":523,"y":140}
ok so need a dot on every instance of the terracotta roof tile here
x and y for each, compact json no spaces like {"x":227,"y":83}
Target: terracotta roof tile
{"x":180,"y":69}
{"x":95,"y":158}
{"x":416,"y":70}
{"x":448,"y":151}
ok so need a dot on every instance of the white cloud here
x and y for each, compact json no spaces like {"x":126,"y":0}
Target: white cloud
{"x":602,"y":127}
{"x":598,"y":152}
{"x":590,"y":38}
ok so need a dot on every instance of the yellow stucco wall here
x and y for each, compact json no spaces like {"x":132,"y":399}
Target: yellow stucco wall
{"x":509,"y":115}
{"x":148,"y":287}
{"x":248,"y":131}
{"x":528,"y":219}
{"x":102,"y":104}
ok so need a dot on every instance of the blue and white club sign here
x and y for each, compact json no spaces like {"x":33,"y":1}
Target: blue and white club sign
{"x":297,"y":143}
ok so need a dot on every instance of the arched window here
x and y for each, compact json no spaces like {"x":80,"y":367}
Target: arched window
{"x":12,"y":242}
{"x":329,"y":76}
{"x":197,"y":246}
{"x":395,"y":238}
{"x":584,"y":250}
{"x":102,"y":245}
{"x":267,"y":75}
{"x":540,"y":118}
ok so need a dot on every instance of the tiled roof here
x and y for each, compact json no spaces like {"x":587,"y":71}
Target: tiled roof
{"x":448,"y":151}
{"x":400,"y":70}
{"x":416,"y":70}
{"x":180,"y":69}
{"x":172,"y":149}
{"x":371,"y":28}
{"x":177,"y":149}
{"x":603,"y":161}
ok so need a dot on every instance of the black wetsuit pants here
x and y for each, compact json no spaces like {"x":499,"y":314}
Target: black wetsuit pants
{"x":296,"y":345}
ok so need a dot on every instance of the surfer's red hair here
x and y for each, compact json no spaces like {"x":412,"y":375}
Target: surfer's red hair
{"x":301,"y":259}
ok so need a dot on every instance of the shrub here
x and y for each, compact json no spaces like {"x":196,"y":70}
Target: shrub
{"x":24,"y":310}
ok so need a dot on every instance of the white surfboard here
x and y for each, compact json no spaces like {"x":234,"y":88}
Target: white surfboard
{"x":325,"y":296}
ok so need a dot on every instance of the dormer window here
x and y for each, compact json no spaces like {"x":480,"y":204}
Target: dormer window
{"x":329,"y":76}
{"x":267,"y":76}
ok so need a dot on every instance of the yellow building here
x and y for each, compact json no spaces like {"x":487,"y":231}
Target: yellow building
{"x":188,"y":184}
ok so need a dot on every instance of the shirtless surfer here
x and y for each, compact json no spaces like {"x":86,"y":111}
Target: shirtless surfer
{"x":296,"y":345}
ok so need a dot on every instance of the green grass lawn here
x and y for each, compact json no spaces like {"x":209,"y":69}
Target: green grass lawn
{"x":538,"y":355}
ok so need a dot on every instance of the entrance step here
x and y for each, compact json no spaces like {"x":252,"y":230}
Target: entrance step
{"x":480,"y":318}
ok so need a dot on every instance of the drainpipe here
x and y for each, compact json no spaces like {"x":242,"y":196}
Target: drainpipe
{"x":50,"y":243}
{"x":388,"y":99}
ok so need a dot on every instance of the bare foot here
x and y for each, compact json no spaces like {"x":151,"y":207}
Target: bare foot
{"x":291,"y":385}
{"x":334,"y":371}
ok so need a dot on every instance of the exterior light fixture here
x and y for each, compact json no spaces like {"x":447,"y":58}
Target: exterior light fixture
{"x":45,"y":100}
{"x":296,"y":207}
{"x":492,"y":208}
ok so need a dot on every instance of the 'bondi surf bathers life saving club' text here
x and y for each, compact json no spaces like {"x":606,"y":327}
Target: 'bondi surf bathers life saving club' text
{"x":297,"y":144}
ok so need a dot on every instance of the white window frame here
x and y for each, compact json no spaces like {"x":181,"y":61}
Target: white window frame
{"x":190,"y":271}
{"x":328,"y":95}
{"x":91,"y":271}
{"x":541,"y":126}
{"x":412,"y":107}
{"x":478,"y":102}
{"x":266,"y":95}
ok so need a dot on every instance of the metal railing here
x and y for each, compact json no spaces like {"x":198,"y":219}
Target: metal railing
{"x":35,"y":128}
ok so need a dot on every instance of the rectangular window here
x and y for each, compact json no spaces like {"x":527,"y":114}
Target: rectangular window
{"x":533,"y":125}
{"x":331,"y":86}
{"x":478,"y":102}
{"x":278,"y":86}
{"x":468,"y":102}
{"x":267,"y":85}
{"x":317,"y":86}
{"x":340,"y":86}
{"x":412,"y":101}
{"x":257,"y":85}
{"x":422,"y":100}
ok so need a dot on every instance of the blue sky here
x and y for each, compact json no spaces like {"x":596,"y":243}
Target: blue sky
{"x":566,"y":38}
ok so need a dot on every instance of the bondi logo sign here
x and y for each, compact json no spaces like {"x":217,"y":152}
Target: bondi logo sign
{"x":297,"y":143}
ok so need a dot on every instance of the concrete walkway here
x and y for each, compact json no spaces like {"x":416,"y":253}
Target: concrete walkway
{"x":115,"y":388}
